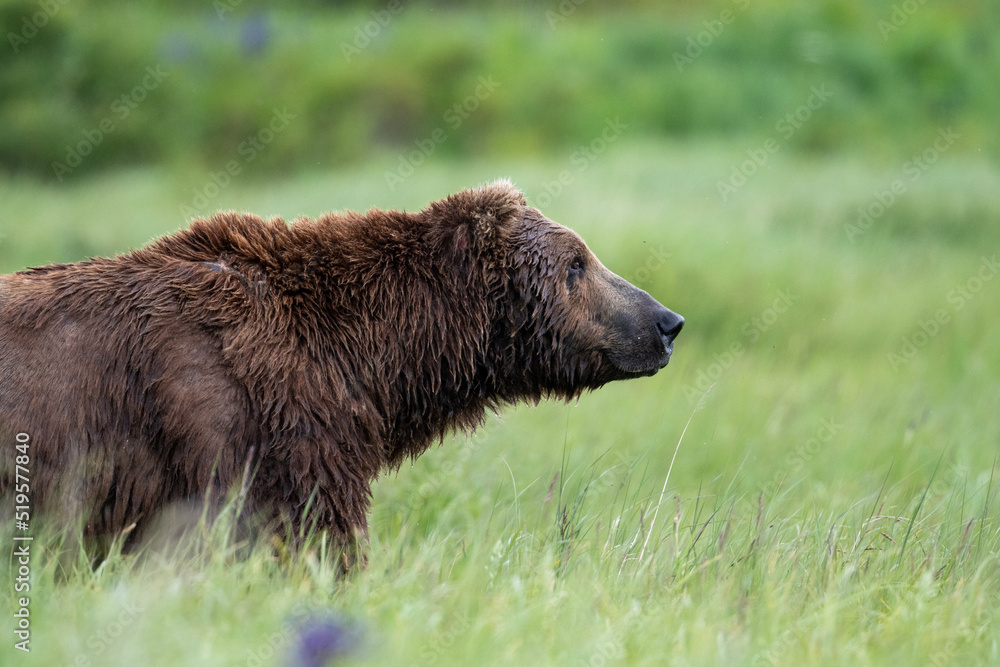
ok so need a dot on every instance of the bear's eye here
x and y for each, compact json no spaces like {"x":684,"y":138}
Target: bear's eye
{"x":574,"y":272}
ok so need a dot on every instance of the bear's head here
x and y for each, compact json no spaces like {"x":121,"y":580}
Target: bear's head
{"x":563,"y":322}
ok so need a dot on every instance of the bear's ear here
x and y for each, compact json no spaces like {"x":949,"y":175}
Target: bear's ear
{"x":478,"y":219}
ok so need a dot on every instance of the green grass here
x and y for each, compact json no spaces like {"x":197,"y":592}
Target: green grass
{"x":824,"y":507}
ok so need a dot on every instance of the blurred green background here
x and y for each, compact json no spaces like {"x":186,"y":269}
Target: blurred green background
{"x":360,"y":77}
{"x":814,"y":186}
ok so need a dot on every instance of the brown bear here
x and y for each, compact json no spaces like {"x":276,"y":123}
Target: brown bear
{"x":315,"y":354}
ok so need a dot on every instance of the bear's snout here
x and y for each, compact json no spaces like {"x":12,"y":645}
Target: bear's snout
{"x":669,"y":324}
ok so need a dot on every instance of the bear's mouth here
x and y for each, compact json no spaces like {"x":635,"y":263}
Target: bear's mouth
{"x":637,"y":368}
{"x":629,"y":369}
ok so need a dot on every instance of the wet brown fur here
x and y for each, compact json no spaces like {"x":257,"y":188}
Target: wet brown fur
{"x":317,"y":354}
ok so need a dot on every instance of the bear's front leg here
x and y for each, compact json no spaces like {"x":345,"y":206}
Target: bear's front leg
{"x":353,"y":550}
{"x":317,"y":502}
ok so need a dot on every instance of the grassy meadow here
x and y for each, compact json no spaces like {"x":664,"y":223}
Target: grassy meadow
{"x":812,"y":480}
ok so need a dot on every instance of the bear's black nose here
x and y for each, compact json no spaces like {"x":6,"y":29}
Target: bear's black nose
{"x":669,"y":324}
